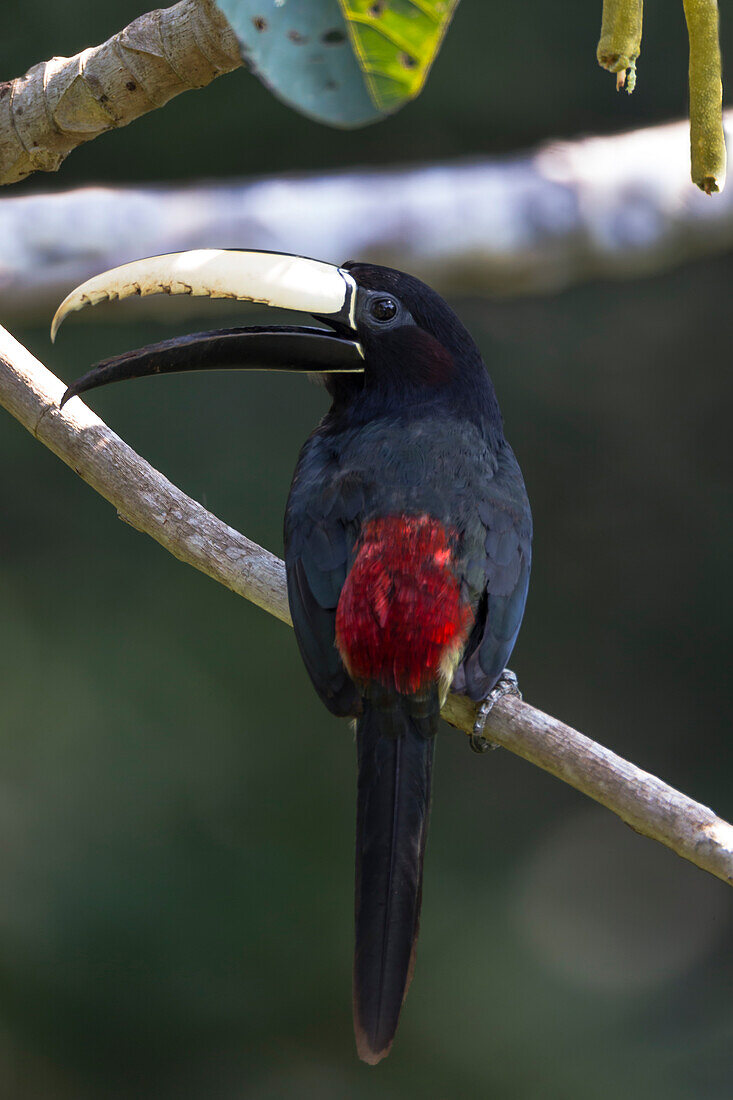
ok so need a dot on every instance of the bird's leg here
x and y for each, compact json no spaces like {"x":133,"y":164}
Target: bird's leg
{"x":507,"y":684}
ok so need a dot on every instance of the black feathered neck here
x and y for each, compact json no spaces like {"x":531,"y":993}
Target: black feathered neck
{"x":428,"y":366}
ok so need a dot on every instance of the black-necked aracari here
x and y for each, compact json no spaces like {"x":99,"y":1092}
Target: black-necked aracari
{"x":407,"y":539}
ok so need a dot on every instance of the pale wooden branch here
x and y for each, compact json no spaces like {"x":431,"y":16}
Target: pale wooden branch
{"x":141,"y":495}
{"x":61,"y":103}
{"x":145,"y":498}
{"x":617,"y":207}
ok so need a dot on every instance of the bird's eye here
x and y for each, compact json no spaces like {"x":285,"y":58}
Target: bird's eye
{"x":383,"y":309}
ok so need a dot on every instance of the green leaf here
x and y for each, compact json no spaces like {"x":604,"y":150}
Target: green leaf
{"x":396,"y":42}
{"x":343,"y":62}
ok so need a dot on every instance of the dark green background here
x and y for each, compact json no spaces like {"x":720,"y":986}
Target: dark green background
{"x":176,"y":808}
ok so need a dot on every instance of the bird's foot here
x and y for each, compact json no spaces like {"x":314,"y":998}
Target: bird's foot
{"x":507,"y":684}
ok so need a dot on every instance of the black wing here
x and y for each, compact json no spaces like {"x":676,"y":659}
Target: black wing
{"x":321,"y":525}
{"x":506,"y":531}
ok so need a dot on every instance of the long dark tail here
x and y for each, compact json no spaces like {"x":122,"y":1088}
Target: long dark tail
{"x":395,"y":765}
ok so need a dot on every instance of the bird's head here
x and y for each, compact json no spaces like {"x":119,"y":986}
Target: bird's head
{"x":389,"y":339}
{"x":417,"y":352}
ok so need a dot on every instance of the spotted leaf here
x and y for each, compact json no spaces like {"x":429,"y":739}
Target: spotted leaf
{"x":342,"y":62}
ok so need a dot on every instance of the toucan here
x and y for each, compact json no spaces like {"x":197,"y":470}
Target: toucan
{"x":407,"y":539}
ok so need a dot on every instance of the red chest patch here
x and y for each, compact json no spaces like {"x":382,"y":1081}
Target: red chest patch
{"x":400,"y":618}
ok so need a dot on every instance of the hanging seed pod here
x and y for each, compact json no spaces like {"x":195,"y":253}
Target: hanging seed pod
{"x":707,"y":140}
{"x":620,"y":42}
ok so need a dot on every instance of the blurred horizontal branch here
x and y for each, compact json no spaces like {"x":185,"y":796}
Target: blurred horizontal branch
{"x":59,"y":104}
{"x":616,"y":207}
{"x":147,"y":500}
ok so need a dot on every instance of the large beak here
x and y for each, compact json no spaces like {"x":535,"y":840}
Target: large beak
{"x":271,"y":278}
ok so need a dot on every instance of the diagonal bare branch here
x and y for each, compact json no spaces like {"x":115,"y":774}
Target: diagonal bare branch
{"x":146,"y":499}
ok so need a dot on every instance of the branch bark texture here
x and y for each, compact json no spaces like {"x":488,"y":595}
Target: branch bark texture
{"x":142,"y":496}
{"x":145,"y":498}
{"x":617,"y":206}
{"x":66,"y":101}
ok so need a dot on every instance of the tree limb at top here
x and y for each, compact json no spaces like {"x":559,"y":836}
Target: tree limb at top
{"x":598,"y":207}
{"x":151,"y":503}
{"x":66,"y":101}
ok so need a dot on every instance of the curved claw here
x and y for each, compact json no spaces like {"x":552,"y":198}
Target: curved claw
{"x":507,"y":684}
